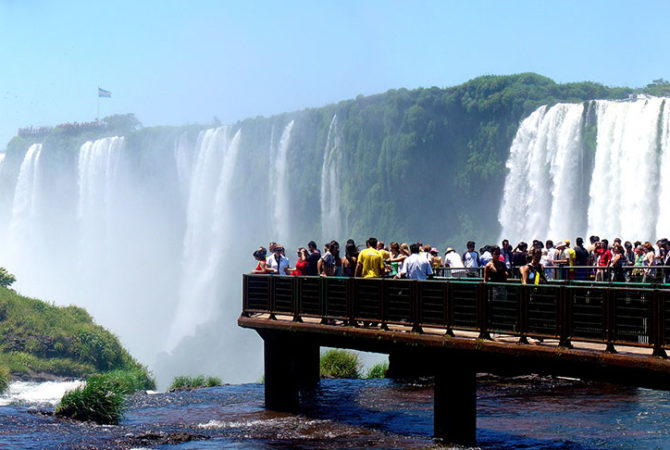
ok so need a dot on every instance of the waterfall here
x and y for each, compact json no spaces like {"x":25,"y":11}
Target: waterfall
{"x":209,"y":233}
{"x":544,"y":169}
{"x":331,"y":223}
{"x":183,"y":156}
{"x":281,"y":213}
{"x":549,"y":195}
{"x":664,"y":191}
{"x":97,"y":171}
{"x":624,"y":190}
{"x":23,"y":237}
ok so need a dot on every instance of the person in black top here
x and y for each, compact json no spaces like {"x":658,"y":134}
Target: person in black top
{"x":495,"y":270}
{"x":581,"y":259}
{"x":519,"y":258}
{"x":313,"y":259}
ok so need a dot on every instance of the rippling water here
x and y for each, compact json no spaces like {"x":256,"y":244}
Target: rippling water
{"x":525,"y":412}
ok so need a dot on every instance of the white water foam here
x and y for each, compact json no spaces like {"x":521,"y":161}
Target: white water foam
{"x":27,"y":392}
{"x":281,"y":212}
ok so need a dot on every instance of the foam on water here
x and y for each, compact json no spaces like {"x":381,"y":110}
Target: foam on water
{"x":28,"y":392}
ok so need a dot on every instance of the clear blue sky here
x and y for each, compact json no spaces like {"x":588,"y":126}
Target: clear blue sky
{"x":178,"y":62}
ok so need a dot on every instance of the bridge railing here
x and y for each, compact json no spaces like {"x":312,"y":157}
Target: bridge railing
{"x":631,"y":316}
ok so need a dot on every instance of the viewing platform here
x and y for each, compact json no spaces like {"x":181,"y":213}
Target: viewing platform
{"x":453,"y":328}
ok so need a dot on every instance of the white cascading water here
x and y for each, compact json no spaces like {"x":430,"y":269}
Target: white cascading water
{"x":663,"y":222}
{"x":97,"y":179}
{"x":281,"y":213}
{"x":543,"y":194}
{"x":331,"y":222}
{"x":183,"y":156}
{"x":23,"y":236}
{"x":544,"y":167}
{"x":209,"y":231}
{"x":624,"y":188}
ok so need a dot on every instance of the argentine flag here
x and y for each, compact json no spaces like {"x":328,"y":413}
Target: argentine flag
{"x":104,"y":93}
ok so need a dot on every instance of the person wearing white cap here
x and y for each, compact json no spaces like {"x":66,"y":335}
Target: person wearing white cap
{"x":455,"y":263}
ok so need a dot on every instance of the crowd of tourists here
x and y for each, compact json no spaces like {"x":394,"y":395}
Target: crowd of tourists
{"x":533,"y":263}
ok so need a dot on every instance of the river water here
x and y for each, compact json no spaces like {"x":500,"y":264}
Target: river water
{"x":526,"y":412}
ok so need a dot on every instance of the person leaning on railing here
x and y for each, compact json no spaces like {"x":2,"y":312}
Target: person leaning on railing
{"x":262,"y":266}
{"x":533,"y":272}
{"x":496,"y":269}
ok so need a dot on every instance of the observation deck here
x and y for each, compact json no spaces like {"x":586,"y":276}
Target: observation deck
{"x":453,"y":328}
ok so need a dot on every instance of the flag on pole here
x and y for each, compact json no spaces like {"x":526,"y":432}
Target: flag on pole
{"x":104,"y":93}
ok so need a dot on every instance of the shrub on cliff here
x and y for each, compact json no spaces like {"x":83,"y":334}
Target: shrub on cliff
{"x":378,"y":370}
{"x":99,"y":400}
{"x":186,"y":382}
{"x":4,"y":379}
{"x":6,"y":278}
{"x":340,"y":364}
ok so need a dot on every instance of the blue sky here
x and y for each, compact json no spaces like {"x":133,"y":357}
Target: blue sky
{"x":179,"y":62}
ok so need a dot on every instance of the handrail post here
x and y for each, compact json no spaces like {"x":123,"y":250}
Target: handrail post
{"x":656,"y":328}
{"x":351,"y":300}
{"x":565,"y":317}
{"x":245,"y":295}
{"x":610,"y":319}
{"x":482,"y":292}
{"x":383,"y":305}
{"x":271,"y":297}
{"x":522,"y":314}
{"x":296,"y":282}
{"x":449,"y":308}
{"x":415,"y":311}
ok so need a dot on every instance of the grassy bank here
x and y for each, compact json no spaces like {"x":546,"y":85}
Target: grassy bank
{"x":37,"y":337}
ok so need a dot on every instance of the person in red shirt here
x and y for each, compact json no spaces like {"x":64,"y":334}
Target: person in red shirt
{"x":302,"y":263}
{"x":604,"y":257}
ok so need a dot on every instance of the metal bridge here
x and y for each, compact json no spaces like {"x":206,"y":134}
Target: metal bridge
{"x":454,"y":328}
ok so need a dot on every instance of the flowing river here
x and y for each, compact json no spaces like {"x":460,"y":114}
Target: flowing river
{"x":525,"y":412}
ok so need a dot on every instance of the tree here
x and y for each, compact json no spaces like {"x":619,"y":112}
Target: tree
{"x":6,"y":278}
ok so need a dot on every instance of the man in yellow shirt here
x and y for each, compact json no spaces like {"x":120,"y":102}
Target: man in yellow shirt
{"x":370,"y":261}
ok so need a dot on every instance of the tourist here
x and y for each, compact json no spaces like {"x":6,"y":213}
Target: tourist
{"x":301,"y":264}
{"x":519,"y":258}
{"x":453,"y":261}
{"x":617,"y":262}
{"x":326,"y":264}
{"x":278,"y":262}
{"x":495,"y":270}
{"x":552,"y":257}
{"x":603,"y":259}
{"x":485,"y":255}
{"x":506,"y":253}
{"x":629,"y":254}
{"x":382,"y":250}
{"x":370,"y":261}
{"x":313,"y":259}
{"x":435,"y":259}
{"x":471,"y":259}
{"x":335,"y":250}
{"x":415,"y":266}
{"x":533,"y":272}
{"x":581,"y":259}
{"x":649,"y":261}
{"x":261,"y":267}
{"x":396,"y":259}
{"x":350,"y":259}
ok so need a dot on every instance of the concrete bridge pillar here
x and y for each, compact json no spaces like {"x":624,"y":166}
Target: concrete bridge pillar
{"x":291,"y":365}
{"x":455,"y":409}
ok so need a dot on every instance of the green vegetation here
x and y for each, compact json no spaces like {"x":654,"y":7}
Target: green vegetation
{"x":6,"y":278}
{"x":378,"y":370}
{"x":99,"y":400}
{"x":186,"y":382}
{"x":340,"y":364}
{"x":4,"y":379}
{"x":38,"y":337}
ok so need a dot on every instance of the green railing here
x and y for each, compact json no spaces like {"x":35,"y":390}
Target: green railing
{"x":621,"y":315}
